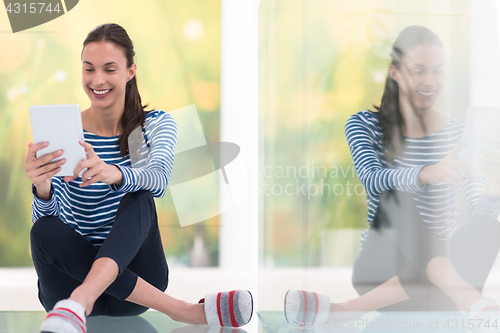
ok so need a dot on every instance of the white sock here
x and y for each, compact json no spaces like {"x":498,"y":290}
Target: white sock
{"x":219,"y":311}
{"x":67,"y":316}
{"x":306,"y":307}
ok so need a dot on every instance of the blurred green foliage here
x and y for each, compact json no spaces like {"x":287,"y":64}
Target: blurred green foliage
{"x":177,"y":46}
{"x":320,"y":64}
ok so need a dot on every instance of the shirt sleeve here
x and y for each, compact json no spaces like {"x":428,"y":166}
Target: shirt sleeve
{"x":160,"y":161}
{"x":41,"y":207}
{"x":477,"y":202}
{"x":373,"y":176}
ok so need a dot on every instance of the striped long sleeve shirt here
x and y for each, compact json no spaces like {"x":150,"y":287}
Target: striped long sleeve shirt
{"x":438,"y":203}
{"x":91,"y":210}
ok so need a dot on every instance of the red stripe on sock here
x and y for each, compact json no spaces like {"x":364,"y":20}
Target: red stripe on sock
{"x":316,"y":307}
{"x":305,"y":307}
{"x":74,"y":314}
{"x":490,"y":307}
{"x":234,"y":323}
{"x":219,"y":313}
{"x":60,"y":315}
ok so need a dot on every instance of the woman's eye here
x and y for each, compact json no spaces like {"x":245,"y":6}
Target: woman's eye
{"x":88,"y":70}
{"x":110,"y":70}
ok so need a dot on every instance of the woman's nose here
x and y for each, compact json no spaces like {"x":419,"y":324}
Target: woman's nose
{"x":99,"y":78}
{"x":429,"y":80}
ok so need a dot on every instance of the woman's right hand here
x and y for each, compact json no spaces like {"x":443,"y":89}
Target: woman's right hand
{"x":450,"y":169}
{"x":40,"y":170}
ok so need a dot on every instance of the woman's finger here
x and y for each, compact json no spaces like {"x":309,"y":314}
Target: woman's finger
{"x":461,"y":166}
{"x":452,"y":181}
{"x":90,"y":173}
{"x":32,"y":149}
{"x":45,"y":159}
{"x":85,"y":164}
{"x":47,"y":168}
{"x":455,"y":175}
{"x":92,"y":180}
{"x":489,"y":169}
{"x":491,"y":156}
{"x":69,"y":178}
{"x":88,"y":149}
{"x":46,"y":176}
{"x":456,"y":149}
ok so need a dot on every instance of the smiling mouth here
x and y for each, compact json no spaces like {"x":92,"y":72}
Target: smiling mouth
{"x":426,"y":93}
{"x":101,"y":92}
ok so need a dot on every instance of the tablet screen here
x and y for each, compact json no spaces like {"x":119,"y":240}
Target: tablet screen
{"x":61,"y":126}
{"x":481,"y":133}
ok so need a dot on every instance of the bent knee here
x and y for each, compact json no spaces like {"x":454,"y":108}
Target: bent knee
{"x":435,"y":267}
{"x":43,"y":226}
{"x":142,"y":196}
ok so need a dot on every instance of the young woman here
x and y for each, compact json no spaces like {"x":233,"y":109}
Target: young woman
{"x":95,"y":240}
{"x":415,"y":256}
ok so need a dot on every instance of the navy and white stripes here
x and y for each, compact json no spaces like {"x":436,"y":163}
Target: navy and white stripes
{"x":91,"y":210}
{"x":437,"y":204}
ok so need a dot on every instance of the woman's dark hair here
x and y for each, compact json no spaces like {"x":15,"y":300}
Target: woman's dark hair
{"x":389,"y":115}
{"x":134,"y":114}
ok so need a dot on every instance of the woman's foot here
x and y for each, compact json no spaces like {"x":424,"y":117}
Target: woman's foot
{"x":305,"y":308}
{"x":190,"y":314}
{"x":67,"y":316}
{"x":484,"y":314}
{"x":230,"y":308}
{"x":343,"y":312}
{"x":83,"y":299}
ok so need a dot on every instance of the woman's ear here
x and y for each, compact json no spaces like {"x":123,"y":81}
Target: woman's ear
{"x":393,"y":72}
{"x":131,"y":71}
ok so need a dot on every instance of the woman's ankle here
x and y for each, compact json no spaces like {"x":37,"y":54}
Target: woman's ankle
{"x":346,"y":311}
{"x":81,"y":297}
{"x":189,"y":313}
{"x":352,"y":305}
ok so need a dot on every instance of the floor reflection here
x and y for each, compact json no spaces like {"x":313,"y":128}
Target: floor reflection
{"x":149,"y":322}
{"x":119,"y":324}
{"x":456,"y":322}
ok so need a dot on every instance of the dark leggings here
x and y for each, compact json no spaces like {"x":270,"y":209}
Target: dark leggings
{"x":399,"y":243}
{"x":63,"y":258}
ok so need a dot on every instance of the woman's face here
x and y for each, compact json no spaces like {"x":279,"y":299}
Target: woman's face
{"x":105,"y":74}
{"x":420,"y":77}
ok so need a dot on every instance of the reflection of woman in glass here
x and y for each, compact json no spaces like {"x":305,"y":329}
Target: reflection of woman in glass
{"x":415,"y":256}
{"x":95,"y":240}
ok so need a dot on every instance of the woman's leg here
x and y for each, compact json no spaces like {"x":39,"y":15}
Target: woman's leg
{"x":375,"y":275}
{"x":148,"y":296}
{"x":63,"y":259}
{"x":134,"y":242}
{"x":391,"y":268}
{"x":442,"y":273}
{"x":474,"y":249}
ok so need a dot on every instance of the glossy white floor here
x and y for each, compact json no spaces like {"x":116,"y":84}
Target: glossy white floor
{"x":21,"y":312}
{"x":18,"y":292}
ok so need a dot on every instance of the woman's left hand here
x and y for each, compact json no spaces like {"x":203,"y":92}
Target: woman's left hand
{"x":97,"y":169}
{"x":490,"y":163}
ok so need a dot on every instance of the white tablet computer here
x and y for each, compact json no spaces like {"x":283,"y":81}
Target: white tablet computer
{"x":61,"y":126}
{"x":481,"y":132}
